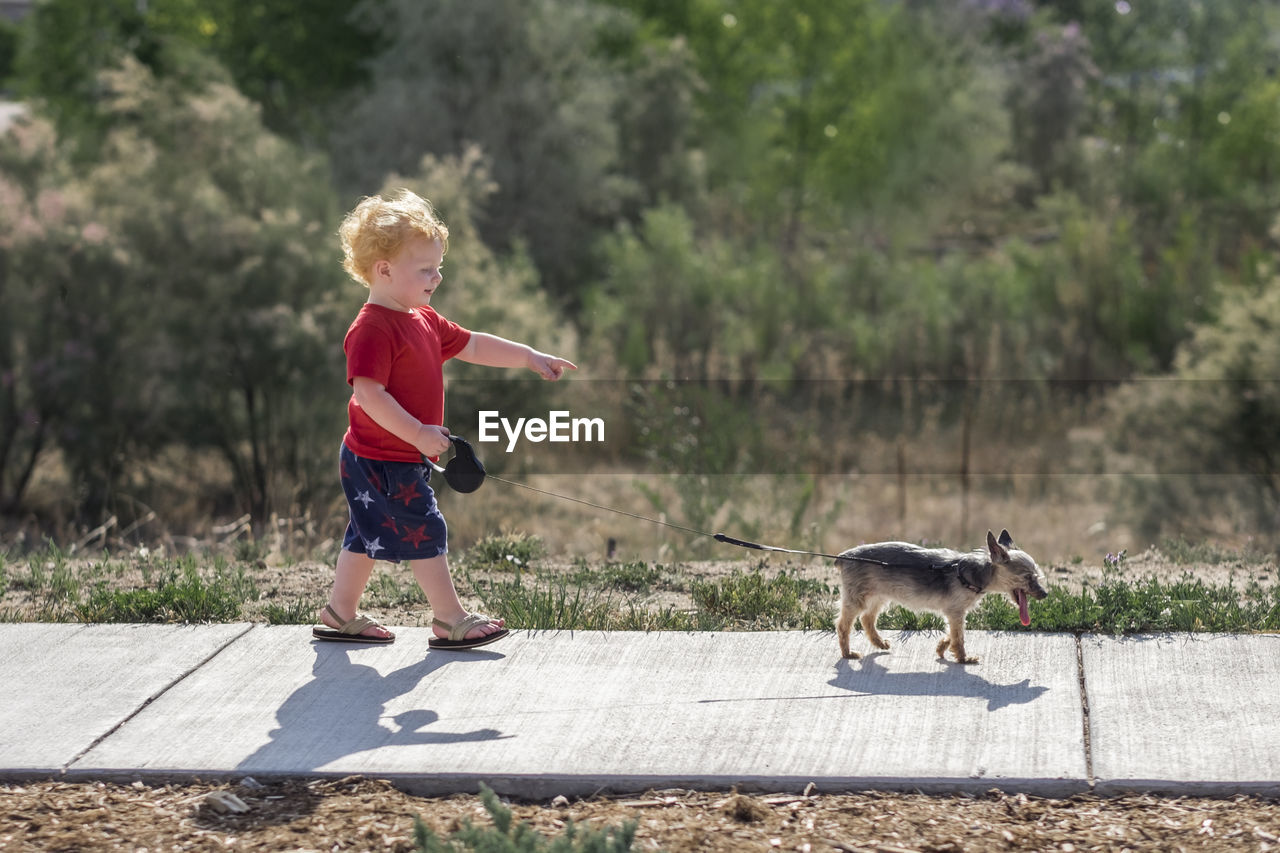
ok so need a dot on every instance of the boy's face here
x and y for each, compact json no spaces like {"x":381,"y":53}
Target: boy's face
{"x":407,"y":280}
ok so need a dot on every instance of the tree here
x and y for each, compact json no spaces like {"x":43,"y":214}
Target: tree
{"x":656,"y":114}
{"x":531,"y":85}
{"x":243,"y":264}
{"x":295,"y":58}
{"x":1049,"y":107}
{"x":1203,"y":437}
{"x":8,"y":50}
{"x":65,"y":44}
{"x":179,"y":293}
{"x":1174,"y":78}
{"x":33,"y":217}
{"x":853,"y":104}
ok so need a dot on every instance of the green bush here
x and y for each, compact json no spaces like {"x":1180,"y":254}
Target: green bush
{"x":1201,"y":441}
{"x":514,"y":551}
{"x":299,"y":612}
{"x":751,"y":600}
{"x":179,"y":595}
{"x":553,"y":605}
{"x":636,"y":576}
{"x":508,"y":836}
{"x":1117,"y":605}
{"x":233,"y":269}
{"x":1184,"y":552}
{"x":898,"y":618}
{"x":389,"y":589}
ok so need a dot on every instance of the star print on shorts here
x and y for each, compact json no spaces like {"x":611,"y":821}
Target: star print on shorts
{"x":393,"y":510}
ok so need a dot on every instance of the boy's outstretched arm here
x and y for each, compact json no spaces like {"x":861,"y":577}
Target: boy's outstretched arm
{"x":493,"y":351}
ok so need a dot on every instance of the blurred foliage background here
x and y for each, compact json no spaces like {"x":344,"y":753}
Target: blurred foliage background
{"x":983,"y":241}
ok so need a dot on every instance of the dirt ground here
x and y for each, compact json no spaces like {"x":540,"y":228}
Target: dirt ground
{"x":367,"y":814}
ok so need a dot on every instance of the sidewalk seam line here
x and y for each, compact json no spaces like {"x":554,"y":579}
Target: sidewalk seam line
{"x":153,"y":697}
{"x":1084,"y":708}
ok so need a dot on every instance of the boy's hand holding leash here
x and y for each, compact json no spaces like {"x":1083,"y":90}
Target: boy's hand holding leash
{"x":432,"y":440}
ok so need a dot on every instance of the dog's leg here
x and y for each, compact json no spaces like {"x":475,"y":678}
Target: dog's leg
{"x":955,"y":639}
{"x":869,"y":624}
{"x":847,"y":614}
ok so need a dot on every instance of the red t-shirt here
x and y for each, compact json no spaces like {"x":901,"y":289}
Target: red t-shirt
{"x":404,"y":353}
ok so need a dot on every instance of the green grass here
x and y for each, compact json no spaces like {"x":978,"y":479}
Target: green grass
{"x":171,"y":591}
{"x":751,"y":600}
{"x":583,"y":601}
{"x":48,"y":577}
{"x":394,"y":590}
{"x":555,"y":604}
{"x":898,"y":618}
{"x":180,"y":594}
{"x":514,"y":551}
{"x":635,"y":576}
{"x":508,"y":836}
{"x":1151,"y":605}
{"x":1183,"y":553}
{"x":618,"y":596}
{"x":1121,"y":606}
{"x":298,"y":612}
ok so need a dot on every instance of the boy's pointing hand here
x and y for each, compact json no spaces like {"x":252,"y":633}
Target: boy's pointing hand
{"x":549,"y":367}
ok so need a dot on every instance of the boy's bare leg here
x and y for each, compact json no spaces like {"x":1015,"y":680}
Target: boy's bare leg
{"x":349,"y":580}
{"x":434,"y":578}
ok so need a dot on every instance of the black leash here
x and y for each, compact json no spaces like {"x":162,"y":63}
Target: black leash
{"x":599,"y":506}
{"x":465,"y":472}
{"x":729,"y":540}
{"x":719,"y":537}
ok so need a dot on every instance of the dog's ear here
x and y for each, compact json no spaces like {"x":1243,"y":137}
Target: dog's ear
{"x":997,"y":551}
{"x":1005,"y":539}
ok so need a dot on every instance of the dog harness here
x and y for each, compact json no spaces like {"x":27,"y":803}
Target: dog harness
{"x":964,"y":579}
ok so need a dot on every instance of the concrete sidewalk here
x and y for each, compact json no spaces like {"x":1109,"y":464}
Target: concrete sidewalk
{"x":546,"y":713}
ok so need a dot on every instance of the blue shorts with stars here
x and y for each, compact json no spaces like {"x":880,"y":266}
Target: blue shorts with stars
{"x":394,"y":515}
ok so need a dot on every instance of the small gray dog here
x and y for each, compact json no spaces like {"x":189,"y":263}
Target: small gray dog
{"x":937,"y":579}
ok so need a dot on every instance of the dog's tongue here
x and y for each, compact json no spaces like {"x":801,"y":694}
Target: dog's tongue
{"x":1024,"y":612}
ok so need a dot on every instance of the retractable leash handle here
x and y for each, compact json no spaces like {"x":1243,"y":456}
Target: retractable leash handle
{"x":464,"y":472}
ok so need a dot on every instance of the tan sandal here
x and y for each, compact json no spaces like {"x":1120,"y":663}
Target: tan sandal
{"x":457,"y":633}
{"x":351,"y":632}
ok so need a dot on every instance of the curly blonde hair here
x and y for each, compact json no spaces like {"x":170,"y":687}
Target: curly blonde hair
{"x":378,"y":227}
